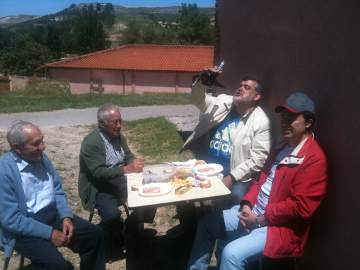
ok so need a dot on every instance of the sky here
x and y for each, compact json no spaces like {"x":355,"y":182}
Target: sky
{"x":44,"y":7}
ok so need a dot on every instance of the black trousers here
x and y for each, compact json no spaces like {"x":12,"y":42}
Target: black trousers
{"x":87,"y":242}
{"x":112,"y":193}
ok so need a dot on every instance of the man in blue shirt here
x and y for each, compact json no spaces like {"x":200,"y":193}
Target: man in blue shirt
{"x":35,"y":218}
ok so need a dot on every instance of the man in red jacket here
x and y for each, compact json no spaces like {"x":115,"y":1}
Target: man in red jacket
{"x":273,"y":217}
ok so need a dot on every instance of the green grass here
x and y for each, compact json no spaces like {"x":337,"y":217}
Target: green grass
{"x":156,"y":139}
{"x":21,"y":102}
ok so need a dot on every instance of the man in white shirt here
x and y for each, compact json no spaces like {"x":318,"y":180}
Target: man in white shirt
{"x":237,"y":128}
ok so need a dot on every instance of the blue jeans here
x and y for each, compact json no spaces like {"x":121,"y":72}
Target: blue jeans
{"x":240,"y":246}
{"x":238,"y":190}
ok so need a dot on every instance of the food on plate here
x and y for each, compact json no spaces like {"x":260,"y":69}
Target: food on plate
{"x":154,"y":189}
{"x":151,"y":190}
{"x":205,"y":183}
{"x":182,"y":189}
{"x":200,"y":161}
{"x":183,"y":172}
{"x":181,"y":181}
{"x":206,"y":169}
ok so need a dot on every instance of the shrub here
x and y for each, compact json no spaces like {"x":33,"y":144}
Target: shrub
{"x":47,"y":88}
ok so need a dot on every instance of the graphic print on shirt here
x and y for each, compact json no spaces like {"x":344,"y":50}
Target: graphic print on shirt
{"x":220,"y":144}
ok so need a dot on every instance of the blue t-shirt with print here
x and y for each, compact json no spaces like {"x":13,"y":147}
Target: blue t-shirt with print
{"x":220,"y":142}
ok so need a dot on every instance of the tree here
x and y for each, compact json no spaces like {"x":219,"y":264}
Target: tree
{"x":89,"y":32}
{"x":194,"y":27}
{"x":23,"y":56}
{"x":132,"y":33}
{"x":5,"y":36}
{"x":108,"y":15}
{"x":53,"y":41}
{"x":148,"y":34}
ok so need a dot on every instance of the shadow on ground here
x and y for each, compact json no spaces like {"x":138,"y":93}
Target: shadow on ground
{"x":150,"y":252}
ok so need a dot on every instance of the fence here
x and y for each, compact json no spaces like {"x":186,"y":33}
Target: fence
{"x":4,"y":84}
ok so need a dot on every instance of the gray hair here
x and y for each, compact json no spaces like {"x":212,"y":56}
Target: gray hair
{"x":15,"y":134}
{"x":103,"y":112}
{"x":259,"y":85}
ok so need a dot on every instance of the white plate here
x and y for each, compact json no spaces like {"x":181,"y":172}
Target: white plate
{"x":159,"y":189}
{"x":208,"y":169}
{"x":189,"y":163}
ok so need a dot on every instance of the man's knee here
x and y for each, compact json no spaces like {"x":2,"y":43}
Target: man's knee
{"x":93,"y":234}
{"x":230,"y":256}
{"x":107,"y":207}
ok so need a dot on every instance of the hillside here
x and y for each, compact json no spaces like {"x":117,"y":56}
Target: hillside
{"x":10,"y":20}
{"x":122,"y":15}
{"x":30,"y":41}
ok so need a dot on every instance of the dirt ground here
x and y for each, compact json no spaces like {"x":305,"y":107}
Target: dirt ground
{"x":63,"y":145}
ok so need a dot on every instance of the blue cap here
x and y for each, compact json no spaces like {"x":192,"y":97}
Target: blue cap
{"x":298,"y":103}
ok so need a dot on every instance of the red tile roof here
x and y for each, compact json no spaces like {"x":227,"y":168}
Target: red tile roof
{"x":144,"y":57}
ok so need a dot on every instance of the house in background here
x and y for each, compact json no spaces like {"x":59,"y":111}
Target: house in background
{"x":134,"y":69}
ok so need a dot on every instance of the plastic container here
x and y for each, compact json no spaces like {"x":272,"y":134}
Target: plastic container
{"x":160,"y":173}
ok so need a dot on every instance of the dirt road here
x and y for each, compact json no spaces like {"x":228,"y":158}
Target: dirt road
{"x":184,"y":116}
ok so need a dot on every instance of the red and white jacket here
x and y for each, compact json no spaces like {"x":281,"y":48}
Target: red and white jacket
{"x":298,"y":187}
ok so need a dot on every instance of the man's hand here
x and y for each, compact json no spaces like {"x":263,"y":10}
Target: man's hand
{"x":208,"y":76}
{"x":228,"y":182}
{"x":247,"y":218}
{"x":135,"y":166}
{"x":58,"y":238}
{"x":68,"y":228}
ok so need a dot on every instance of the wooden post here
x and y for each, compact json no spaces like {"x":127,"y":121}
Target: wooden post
{"x":176,"y":82}
{"x":133,"y":82}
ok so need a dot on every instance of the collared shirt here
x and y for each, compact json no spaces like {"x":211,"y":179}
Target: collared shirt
{"x":115,"y":155}
{"x":37,"y":184}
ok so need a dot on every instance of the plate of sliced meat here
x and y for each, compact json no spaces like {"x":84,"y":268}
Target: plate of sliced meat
{"x":208,"y":169}
{"x":154,"y":189}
